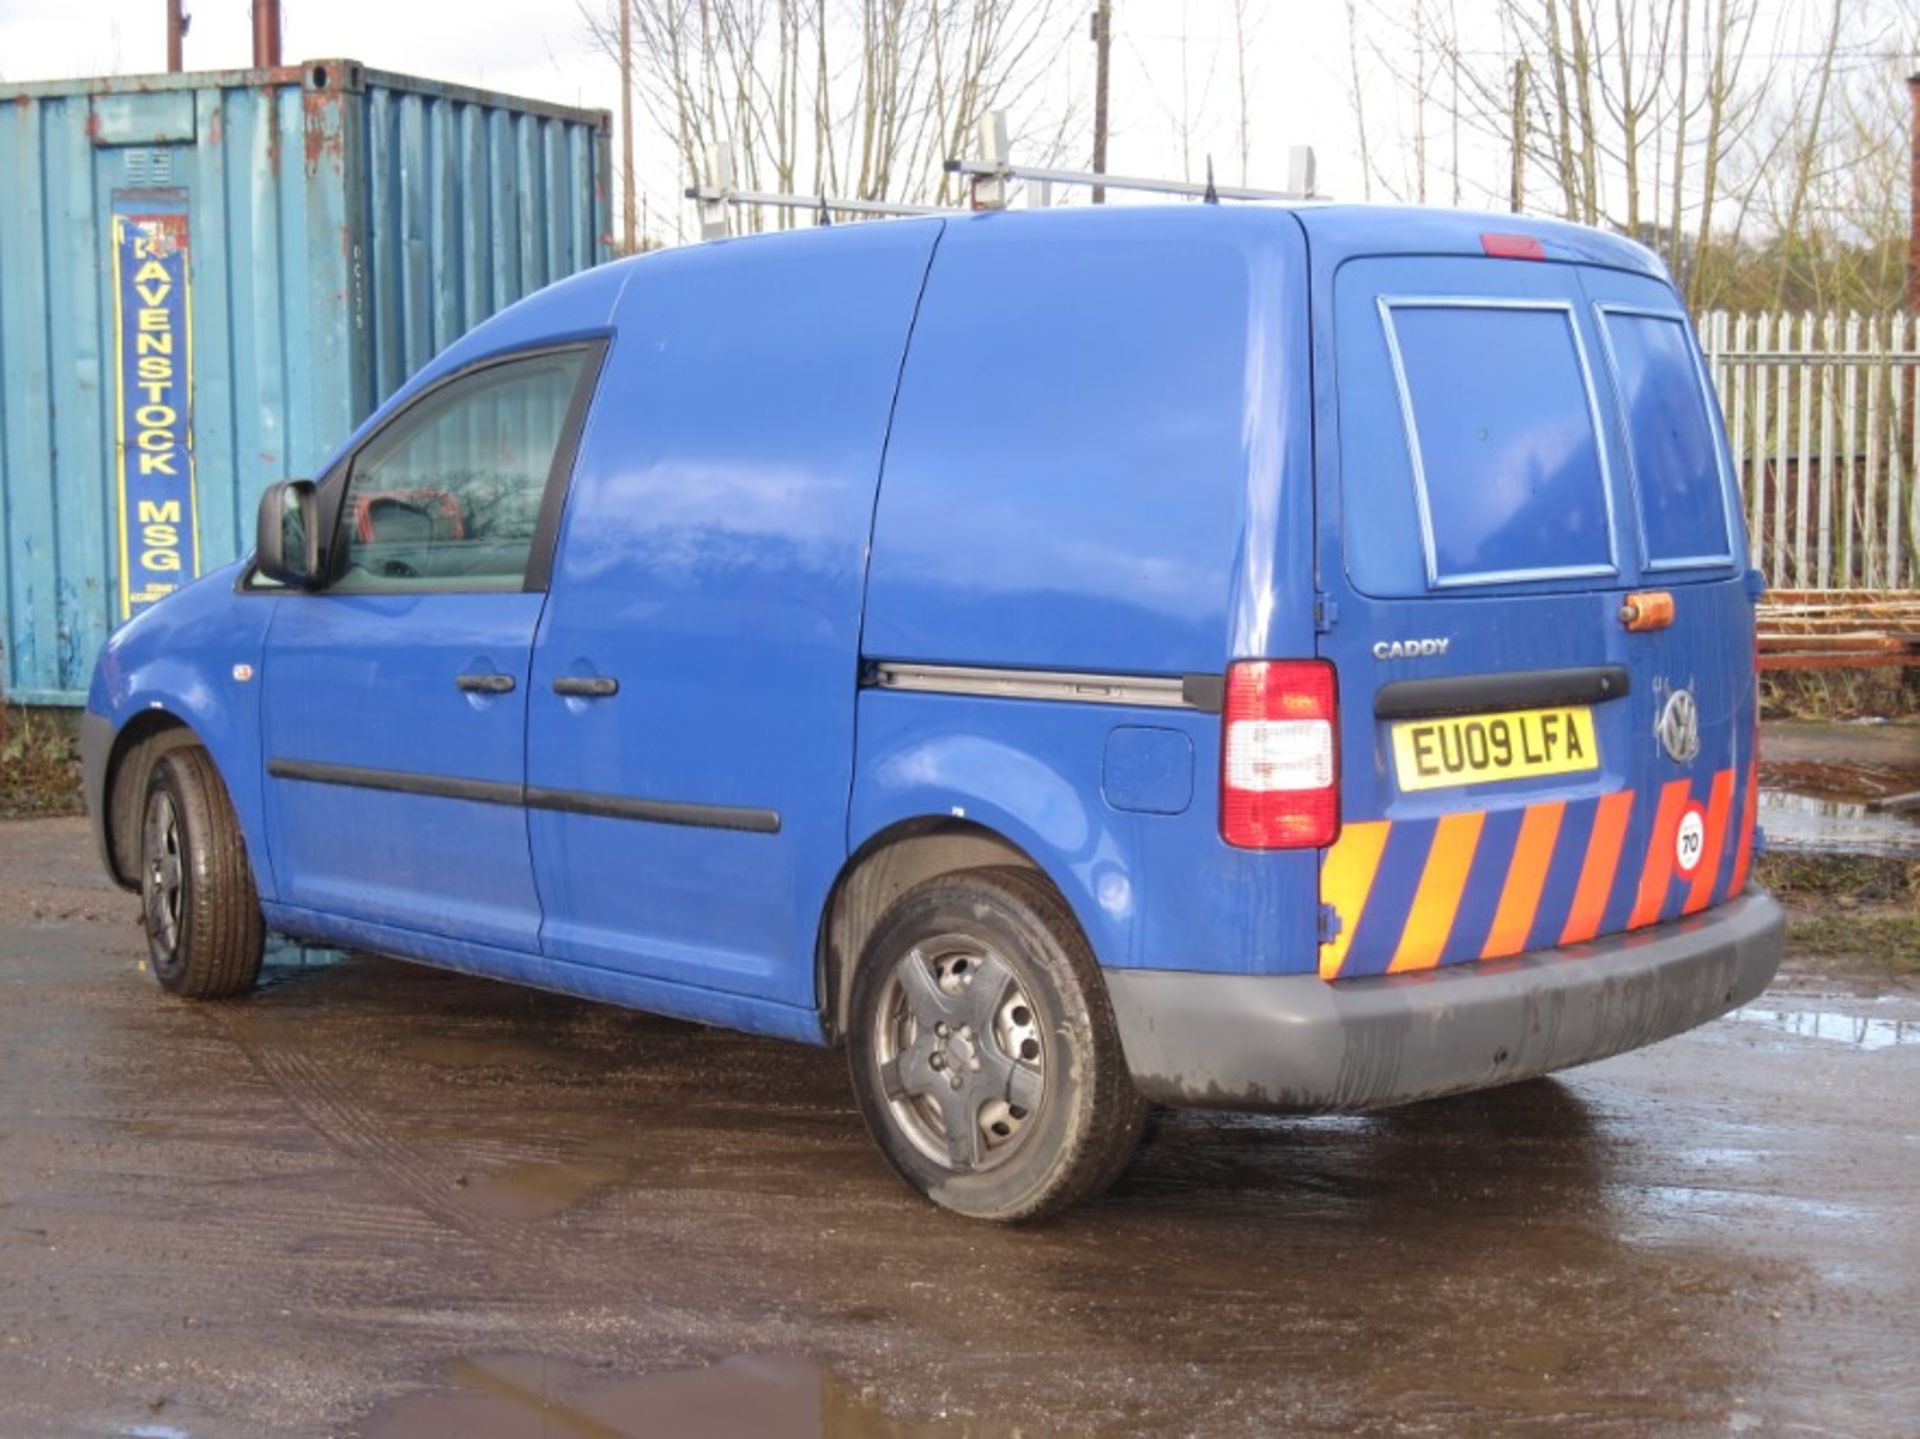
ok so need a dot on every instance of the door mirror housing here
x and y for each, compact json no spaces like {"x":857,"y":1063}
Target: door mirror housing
{"x":286,"y":545}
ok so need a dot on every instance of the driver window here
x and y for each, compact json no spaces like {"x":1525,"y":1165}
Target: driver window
{"x":448,"y":496}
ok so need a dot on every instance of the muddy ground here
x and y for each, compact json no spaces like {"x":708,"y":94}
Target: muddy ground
{"x":377,"y":1200}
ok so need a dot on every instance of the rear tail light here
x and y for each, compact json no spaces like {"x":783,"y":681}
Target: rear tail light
{"x":1280,"y":756}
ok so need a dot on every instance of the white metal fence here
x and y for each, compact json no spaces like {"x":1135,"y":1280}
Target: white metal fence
{"x":1824,"y":422}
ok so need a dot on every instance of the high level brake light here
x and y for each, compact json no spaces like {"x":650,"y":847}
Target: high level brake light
{"x":1512,"y":247}
{"x":1280,"y":756}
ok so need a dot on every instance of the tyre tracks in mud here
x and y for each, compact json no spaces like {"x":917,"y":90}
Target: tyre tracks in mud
{"x":584,"y":1257}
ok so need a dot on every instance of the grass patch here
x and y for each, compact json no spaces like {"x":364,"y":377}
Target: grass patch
{"x":1879,"y":943}
{"x":1848,"y":914}
{"x":1845,"y":880}
{"x":39,"y":764}
{"x":1890,"y":692}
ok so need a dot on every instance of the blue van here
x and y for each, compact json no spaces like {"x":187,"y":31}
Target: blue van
{"x":1289,"y":660}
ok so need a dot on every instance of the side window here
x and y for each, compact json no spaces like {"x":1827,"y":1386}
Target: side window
{"x":448,"y":496}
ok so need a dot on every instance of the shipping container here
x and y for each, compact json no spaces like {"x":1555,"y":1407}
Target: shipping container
{"x":206,"y":280}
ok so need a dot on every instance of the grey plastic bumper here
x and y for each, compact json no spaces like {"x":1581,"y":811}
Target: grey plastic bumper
{"x":96,"y":744}
{"x":1294,"y":1043}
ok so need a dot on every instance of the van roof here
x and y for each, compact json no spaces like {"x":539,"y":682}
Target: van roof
{"x":1334,"y":232}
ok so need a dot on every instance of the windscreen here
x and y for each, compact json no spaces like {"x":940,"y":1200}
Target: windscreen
{"x":1498,"y":407}
{"x":1677,"y":484}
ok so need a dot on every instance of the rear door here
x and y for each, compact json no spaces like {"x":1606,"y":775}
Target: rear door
{"x":1519,"y":447}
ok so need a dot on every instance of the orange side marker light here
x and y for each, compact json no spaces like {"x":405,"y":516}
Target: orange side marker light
{"x":1647,"y":610}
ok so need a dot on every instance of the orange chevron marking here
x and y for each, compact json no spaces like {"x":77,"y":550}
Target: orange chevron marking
{"x":1526,"y":877}
{"x":1743,"y":856}
{"x":1346,"y":878}
{"x":1718,"y":803}
{"x":1596,"y":872}
{"x":1437,"y":900}
{"x":1656,"y":875}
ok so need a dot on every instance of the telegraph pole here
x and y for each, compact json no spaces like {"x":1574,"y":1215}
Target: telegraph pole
{"x":626,"y":125}
{"x":1102,"y":42}
{"x":176,"y":36}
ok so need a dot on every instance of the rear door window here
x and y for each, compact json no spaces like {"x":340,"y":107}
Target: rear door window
{"x":1679,"y":490}
{"x":1497,"y":401}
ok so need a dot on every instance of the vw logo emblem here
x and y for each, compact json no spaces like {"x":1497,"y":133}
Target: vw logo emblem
{"x":1679,"y":727}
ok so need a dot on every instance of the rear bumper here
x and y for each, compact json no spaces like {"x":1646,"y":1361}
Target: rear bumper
{"x":1294,"y":1043}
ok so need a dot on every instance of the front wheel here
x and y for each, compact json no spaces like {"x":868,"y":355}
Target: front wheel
{"x":984,"y":1053}
{"x":202,"y":913}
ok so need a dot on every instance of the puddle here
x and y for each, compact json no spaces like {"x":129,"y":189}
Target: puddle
{"x":538,"y":1189}
{"x":1853,"y":1030}
{"x":525,"y":1396}
{"x":1841,"y":788}
{"x":1812,"y":824}
{"x":287,"y":959}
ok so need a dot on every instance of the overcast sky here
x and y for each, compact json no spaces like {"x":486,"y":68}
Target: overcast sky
{"x":1297,"y":61}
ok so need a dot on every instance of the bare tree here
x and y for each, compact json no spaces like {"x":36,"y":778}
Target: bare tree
{"x":865,"y":98}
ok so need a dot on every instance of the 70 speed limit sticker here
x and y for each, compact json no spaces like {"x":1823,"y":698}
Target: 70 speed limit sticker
{"x":1690,"y":839}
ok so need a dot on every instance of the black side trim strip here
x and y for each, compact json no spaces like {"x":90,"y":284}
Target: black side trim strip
{"x":570,"y":801}
{"x":400,"y":781}
{"x":657,"y":811}
{"x":1514,"y":690}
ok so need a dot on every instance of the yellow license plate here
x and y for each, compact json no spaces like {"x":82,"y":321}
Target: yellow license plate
{"x":1478,"y":749}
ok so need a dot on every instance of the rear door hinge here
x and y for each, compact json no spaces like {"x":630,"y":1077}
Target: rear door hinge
{"x":1325,"y":612}
{"x":1330,"y":924}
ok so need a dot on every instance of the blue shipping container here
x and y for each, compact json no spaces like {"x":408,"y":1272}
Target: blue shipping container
{"x":207,"y":280}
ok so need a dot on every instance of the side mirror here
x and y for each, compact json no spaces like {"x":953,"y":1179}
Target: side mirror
{"x":286,"y":545}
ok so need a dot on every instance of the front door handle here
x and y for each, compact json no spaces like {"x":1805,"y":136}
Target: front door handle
{"x":592,"y":687}
{"x":486,"y":684}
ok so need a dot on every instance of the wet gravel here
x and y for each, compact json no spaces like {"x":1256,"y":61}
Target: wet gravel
{"x":373,"y":1199}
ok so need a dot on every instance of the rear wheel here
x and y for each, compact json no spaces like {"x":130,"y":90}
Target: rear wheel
{"x":202,"y":913}
{"x":983,"y":1051}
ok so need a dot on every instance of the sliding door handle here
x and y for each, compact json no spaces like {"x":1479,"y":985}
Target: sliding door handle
{"x":591,"y":687}
{"x":485,"y":684}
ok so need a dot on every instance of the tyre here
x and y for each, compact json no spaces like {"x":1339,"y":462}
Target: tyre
{"x":202,"y":913}
{"x":983,"y":1049}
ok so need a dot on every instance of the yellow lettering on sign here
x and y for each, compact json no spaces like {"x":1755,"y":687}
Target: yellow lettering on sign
{"x":155,"y":319}
{"x":161,"y":344}
{"x":160,"y":464}
{"x":159,"y":512}
{"x":157,"y":369}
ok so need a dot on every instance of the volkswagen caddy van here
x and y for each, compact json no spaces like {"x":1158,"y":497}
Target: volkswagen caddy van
{"x":1284,"y":660}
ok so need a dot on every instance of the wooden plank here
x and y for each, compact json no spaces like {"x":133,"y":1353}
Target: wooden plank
{"x":1802,"y":486}
{"x":1762,"y":541}
{"x":1838,"y":661}
{"x":1869,"y":528}
{"x":1823,"y":567}
{"x":1897,"y":380}
{"x":1782,"y":395}
{"x":1849,"y":450}
{"x":1737,"y":376}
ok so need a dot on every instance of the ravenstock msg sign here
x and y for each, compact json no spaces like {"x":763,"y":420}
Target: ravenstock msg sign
{"x":153,"y":342}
